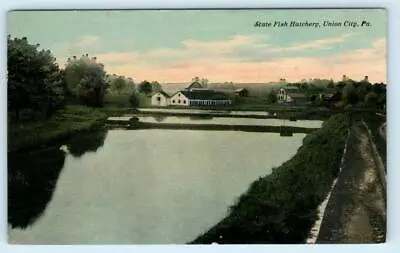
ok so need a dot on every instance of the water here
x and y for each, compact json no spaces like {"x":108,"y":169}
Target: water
{"x":136,"y":186}
{"x":230,"y":121}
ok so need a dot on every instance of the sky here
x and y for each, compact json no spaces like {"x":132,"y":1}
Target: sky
{"x":220,"y":45}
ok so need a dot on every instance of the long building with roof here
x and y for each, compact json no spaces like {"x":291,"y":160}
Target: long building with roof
{"x":194,"y":95}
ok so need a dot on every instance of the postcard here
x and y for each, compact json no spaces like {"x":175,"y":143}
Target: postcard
{"x":207,"y":126}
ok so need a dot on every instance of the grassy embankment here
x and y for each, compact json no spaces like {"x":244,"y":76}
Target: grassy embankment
{"x":61,"y":126}
{"x":282,"y":207}
{"x":374,"y":123}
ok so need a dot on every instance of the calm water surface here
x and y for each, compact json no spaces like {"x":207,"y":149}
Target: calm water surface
{"x":137,"y":186}
{"x":230,"y":121}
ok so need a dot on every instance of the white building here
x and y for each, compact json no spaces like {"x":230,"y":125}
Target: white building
{"x":160,"y":98}
{"x":199,"y":97}
{"x":291,"y":95}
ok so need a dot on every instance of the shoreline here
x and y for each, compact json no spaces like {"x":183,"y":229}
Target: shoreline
{"x":282,"y":207}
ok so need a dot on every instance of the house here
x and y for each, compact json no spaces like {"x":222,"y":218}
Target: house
{"x":199,"y":97}
{"x":160,"y":98}
{"x":291,"y":95}
{"x":243,"y":92}
{"x":194,"y":85}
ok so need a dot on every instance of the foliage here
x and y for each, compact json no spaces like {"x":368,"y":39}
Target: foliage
{"x":145,"y":87}
{"x":119,"y":84}
{"x":34,"y":78}
{"x":155,"y":86}
{"x":64,"y":124}
{"x":134,"y":100}
{"x":86,"y":79}
{"x":272,"y":97}
{"x":371,"y":99}
{"x":281,"y":207}
{"x":349,"y":94}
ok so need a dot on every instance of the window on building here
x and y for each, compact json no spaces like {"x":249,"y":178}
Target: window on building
{"x":173,"y":101}
{"x":179,"y":101}
{"x":159,"y":99}
{"x":184,"y":101}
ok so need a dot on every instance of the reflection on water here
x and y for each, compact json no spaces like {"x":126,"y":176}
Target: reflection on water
{"x":143,"y":186}
{"x":88,"y":142}
{"x":32,"y":177}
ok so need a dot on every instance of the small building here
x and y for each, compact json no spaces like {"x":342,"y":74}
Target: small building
{"x":160,"y":98}
{"x":291,"y":95}
{"x":199,"y":97}
{"x":242,"y":92}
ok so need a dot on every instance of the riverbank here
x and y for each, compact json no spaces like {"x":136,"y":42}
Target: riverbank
{"x":63,"y":125}
{"x":282,"y":207}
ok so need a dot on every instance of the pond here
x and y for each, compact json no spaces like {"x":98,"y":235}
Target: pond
{"x":136,"y":186}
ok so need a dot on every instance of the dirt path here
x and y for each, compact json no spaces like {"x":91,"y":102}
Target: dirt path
{"x":356,"y":211}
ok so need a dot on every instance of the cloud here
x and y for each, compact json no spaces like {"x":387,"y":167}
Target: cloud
{"x":234,"y":60}
{"x":80,"y":46}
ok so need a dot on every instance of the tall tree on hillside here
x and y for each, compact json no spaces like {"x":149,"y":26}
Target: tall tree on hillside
{"x":86,"y":79}
{"x":33,"y":78}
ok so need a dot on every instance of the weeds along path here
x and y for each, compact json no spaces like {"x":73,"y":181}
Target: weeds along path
{"x":356,"y":211}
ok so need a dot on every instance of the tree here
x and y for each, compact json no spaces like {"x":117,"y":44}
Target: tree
{"x":272,"y":97}
{"x":330,"y":84}
{"x":134,"y":100}
{"x":349,"y":94}
{"x":33,"y":78}
{"x":371,"y":99}
{"x":204,"y":82}
{"x":86,"y":79}
{"x":313,"y":98}
{"x":118,"y":84}
{"x":145,"y":87}
{"x":362,"y":89}
{"x":155,"y":86}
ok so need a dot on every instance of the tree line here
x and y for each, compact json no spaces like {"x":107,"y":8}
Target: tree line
{"x":343,"y":93}
{"x":37,"y":86}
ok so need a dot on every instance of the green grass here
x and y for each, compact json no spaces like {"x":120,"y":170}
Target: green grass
{"x":282,"y":207}
{"x":63,"y":124}
{"x":116,"y":100}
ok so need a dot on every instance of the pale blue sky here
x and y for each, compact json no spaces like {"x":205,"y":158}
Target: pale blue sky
{"x":139,"y":43}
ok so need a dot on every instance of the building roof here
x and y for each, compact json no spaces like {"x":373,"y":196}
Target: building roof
{"x":195,"y":85}
{"x":204,"y":95}
{"x":162,"y":92}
